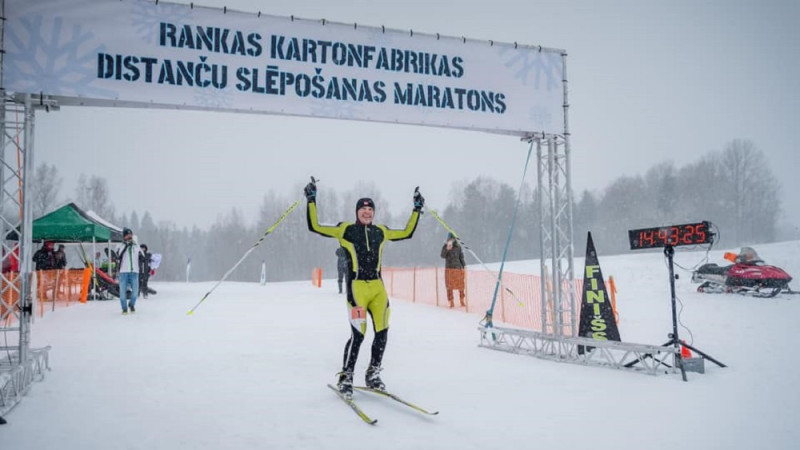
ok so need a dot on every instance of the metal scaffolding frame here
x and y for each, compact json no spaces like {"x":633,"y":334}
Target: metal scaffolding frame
{"x":642,"y":358}
{"x":20,"y":365}
{"x":559,"y":316}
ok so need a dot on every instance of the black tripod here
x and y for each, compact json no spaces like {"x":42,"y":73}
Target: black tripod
{"x":669,"y":251}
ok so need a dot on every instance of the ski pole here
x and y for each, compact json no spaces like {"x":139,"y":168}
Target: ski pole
{"x":258,"y":242}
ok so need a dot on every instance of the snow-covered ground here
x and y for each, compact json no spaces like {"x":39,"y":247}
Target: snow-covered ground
{"x":248,"y":371}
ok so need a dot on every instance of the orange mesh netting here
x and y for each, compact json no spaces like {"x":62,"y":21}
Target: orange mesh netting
{"x":54,"y":289}
{"x":521,"y":307}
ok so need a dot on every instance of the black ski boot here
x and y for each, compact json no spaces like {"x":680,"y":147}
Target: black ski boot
{"x":373,"y":378}
{"x":345,"y":384}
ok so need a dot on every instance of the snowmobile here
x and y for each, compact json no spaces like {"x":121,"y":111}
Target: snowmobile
{"x":748,"y":275}
{"x":107,"y":287}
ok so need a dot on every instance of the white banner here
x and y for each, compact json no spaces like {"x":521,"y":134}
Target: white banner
{"x":142,"y":54}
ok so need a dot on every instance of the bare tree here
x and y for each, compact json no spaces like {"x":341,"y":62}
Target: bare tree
{"x":46,"y":185}
{"x":93,"y":194}
{"x":661,"y":182}
{"x":752,"y":191}
{"x":620,"y":209}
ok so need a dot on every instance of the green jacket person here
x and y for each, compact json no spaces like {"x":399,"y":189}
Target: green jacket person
{"x":364,"y":242}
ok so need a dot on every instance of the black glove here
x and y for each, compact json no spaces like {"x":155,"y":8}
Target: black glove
{"x":311,"y":192}
{"x":419,"y":200}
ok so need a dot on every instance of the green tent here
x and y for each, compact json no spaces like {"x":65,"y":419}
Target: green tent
{"x":71,"y":224}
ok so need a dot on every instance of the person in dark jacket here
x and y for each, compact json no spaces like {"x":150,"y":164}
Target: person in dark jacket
{"x":45,"y":258}
{"x":342,"y":262}
{"x":364,"y":242}
{"x":60,"y":258}
{"x":454,"y":265}
{"x":144,"y":270}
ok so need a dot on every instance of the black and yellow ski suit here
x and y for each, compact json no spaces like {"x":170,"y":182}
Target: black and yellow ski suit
{"x":365,"y":290}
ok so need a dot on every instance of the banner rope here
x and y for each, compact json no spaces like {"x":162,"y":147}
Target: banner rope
{"x":488,"y":318}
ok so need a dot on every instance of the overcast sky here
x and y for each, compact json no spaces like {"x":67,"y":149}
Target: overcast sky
{"x":649,"y":81}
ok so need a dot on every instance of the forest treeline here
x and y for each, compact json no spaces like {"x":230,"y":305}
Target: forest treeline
{"x":733,"y":188}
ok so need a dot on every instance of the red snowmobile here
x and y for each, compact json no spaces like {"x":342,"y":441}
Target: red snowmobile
{"x":748,"y":275}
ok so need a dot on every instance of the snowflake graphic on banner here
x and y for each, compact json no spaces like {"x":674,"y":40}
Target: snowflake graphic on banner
{"x":212,"y":98}
{"x":538,"y":67}
{"x":49,"y":52}
{"x":147,"y":16}
{"x":543,"y":70}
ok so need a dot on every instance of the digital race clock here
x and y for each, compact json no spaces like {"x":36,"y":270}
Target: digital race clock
{"x":671,"y":235}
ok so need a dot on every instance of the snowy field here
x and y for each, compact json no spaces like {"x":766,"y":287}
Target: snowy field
{"x":248,"y":371}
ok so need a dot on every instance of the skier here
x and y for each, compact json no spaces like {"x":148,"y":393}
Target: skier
{"x":128,"y":256}
{"x":365,"y":291}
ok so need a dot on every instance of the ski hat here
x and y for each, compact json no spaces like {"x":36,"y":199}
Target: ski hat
{"x":126,"y":231}
{"x":364,"y":202}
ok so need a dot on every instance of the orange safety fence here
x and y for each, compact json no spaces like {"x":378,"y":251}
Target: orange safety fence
{"x":522,"y":306}
{"x":54,"y":289}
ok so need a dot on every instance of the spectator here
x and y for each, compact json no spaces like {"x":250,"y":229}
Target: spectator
{"x":128,"y":256}
{"x":60,"y":258}
{"x":144,"y":270}
{"x":45,"y":258}
{"x":11,"y":262}
{"x":454,"y":265}
{"x":109,"y":264}
{"x":342,"y":264}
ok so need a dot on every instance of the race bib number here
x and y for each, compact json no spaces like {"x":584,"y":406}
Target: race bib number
{"x":358,"y":317}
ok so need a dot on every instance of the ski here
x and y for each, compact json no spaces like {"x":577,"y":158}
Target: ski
{"x":354,"y":407}
{"x":397,"y":399}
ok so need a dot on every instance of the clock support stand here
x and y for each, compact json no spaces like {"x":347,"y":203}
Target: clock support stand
{"x":669,"y":252}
